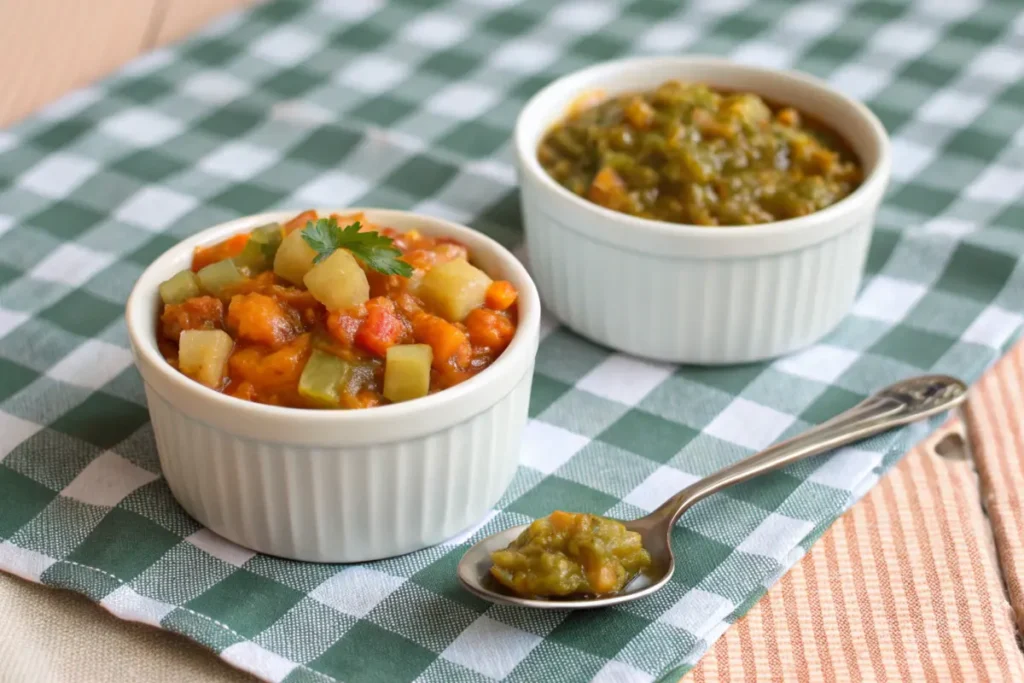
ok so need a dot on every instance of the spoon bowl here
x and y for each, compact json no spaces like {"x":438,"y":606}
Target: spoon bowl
{"x":898,"y":404}
{"x":474,"y":571}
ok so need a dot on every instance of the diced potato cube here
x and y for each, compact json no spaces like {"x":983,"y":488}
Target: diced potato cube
{"x":338,"y":282}
{"x":180,"y":287}
{"x":407,"y":372}
{"x":322,"y":379}
{"x":294,"y":258}
{"x":454,"y":289}
{"x":218,"y":278}
{"x":203,"y":355}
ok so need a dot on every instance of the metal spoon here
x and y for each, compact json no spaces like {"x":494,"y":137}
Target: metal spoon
{"x":896,"y":405}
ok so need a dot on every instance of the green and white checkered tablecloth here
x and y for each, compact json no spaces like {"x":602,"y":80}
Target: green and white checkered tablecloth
{"x":409,"y":104}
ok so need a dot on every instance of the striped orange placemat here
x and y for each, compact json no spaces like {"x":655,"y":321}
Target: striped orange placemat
{"x":997,"y":410}
{"x":908,"y":585}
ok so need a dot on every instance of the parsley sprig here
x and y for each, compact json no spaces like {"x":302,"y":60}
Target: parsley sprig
{"x":377,"y":251}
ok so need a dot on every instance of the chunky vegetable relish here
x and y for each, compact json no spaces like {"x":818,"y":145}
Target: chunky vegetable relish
{"x":285,"y":316}
{"x":569,"y":553}
{"x":687,"y":154}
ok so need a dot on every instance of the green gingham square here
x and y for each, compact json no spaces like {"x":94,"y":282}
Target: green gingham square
{"x":410,"y":105}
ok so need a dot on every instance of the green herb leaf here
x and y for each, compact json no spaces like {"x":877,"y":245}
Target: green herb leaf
{"x":377,"y":251}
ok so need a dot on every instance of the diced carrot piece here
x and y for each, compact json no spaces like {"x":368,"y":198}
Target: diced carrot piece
{"x":343,"y":325}
{"x":607,"y":188}
{"x":299,"y":300}
{"x":450,"y":344}
{"x":449,"y":376}
{"x":639,"y":113}
{"x":244,"y":390}
{"x":788,"y":117}
{"x":500,"y":295}
{"x":561,"y":520}
{"x":382,"y":328}
{"x":271,"y":372}
{"x":711,"y":127}
{"x":230,"y":247}
{"x":264,"y":283}
{"x":363,"y":399}
{"x":421,"y":259}
{"x":602,"y":578}
{"x":348,"y":219}
{"x":197,"y":313}
{"x":489,"y":328}
{"x":260,"y":319}
{"x":300,"y":221}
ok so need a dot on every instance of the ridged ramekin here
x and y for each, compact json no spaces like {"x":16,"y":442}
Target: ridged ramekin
{"x":693,"y":294}
{"x":339,"y":486}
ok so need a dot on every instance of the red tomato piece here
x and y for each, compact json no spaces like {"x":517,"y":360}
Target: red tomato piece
{"x":382,"y":328}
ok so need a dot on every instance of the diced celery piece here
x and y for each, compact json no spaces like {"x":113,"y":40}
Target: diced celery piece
{"x":407,"y":372}
{"x":217,"y":278}
{"x":259,"y":252}
{"x":203,"y":355}
{"x":179,"y":287}
{"x":453,"y":289}
{"x":338,"y":282}
{"x":322,"y":379}
{"x":294,"y":258}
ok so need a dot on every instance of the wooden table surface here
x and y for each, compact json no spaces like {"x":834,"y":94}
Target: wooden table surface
{"x":53,"y":46}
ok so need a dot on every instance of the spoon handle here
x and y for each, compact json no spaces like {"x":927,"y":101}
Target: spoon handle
{"x":896,"y":405}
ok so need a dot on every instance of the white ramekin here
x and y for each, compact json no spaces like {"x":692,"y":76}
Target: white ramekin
{"x":339,"y":486}
{"x":690,"y":294}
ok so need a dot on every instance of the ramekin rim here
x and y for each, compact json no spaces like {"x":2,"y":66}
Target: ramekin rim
{"x":518,"y":352}
{"x":528,"y":162}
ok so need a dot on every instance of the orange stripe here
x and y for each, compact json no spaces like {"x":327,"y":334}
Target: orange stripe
{"x":976,"y":588}
{"x":747,"y":649}
{"x":863,"y":599}
{"x":991,"y":440}
{"x":1013,"y":380}
{"x":981,"y":585}
{"x":1011,"y":537}
{"x":698,"y":673}
{"x":962,"y":604}
{"x":938,"y":586}
{"x":1012,"y":410}
{"x":770,"y":643}
{"x":1013,"y":406}
{"x":885,"y":583}
{"x":839,"y":599}
{"x":803,"y":673}
{"x":811,"y":589}
{"x":996,"y":440}
{"x":722,"y":660}
{"x":907,"y":575}
{"x":1009,"y":431}
{"x":1011,"y":545}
